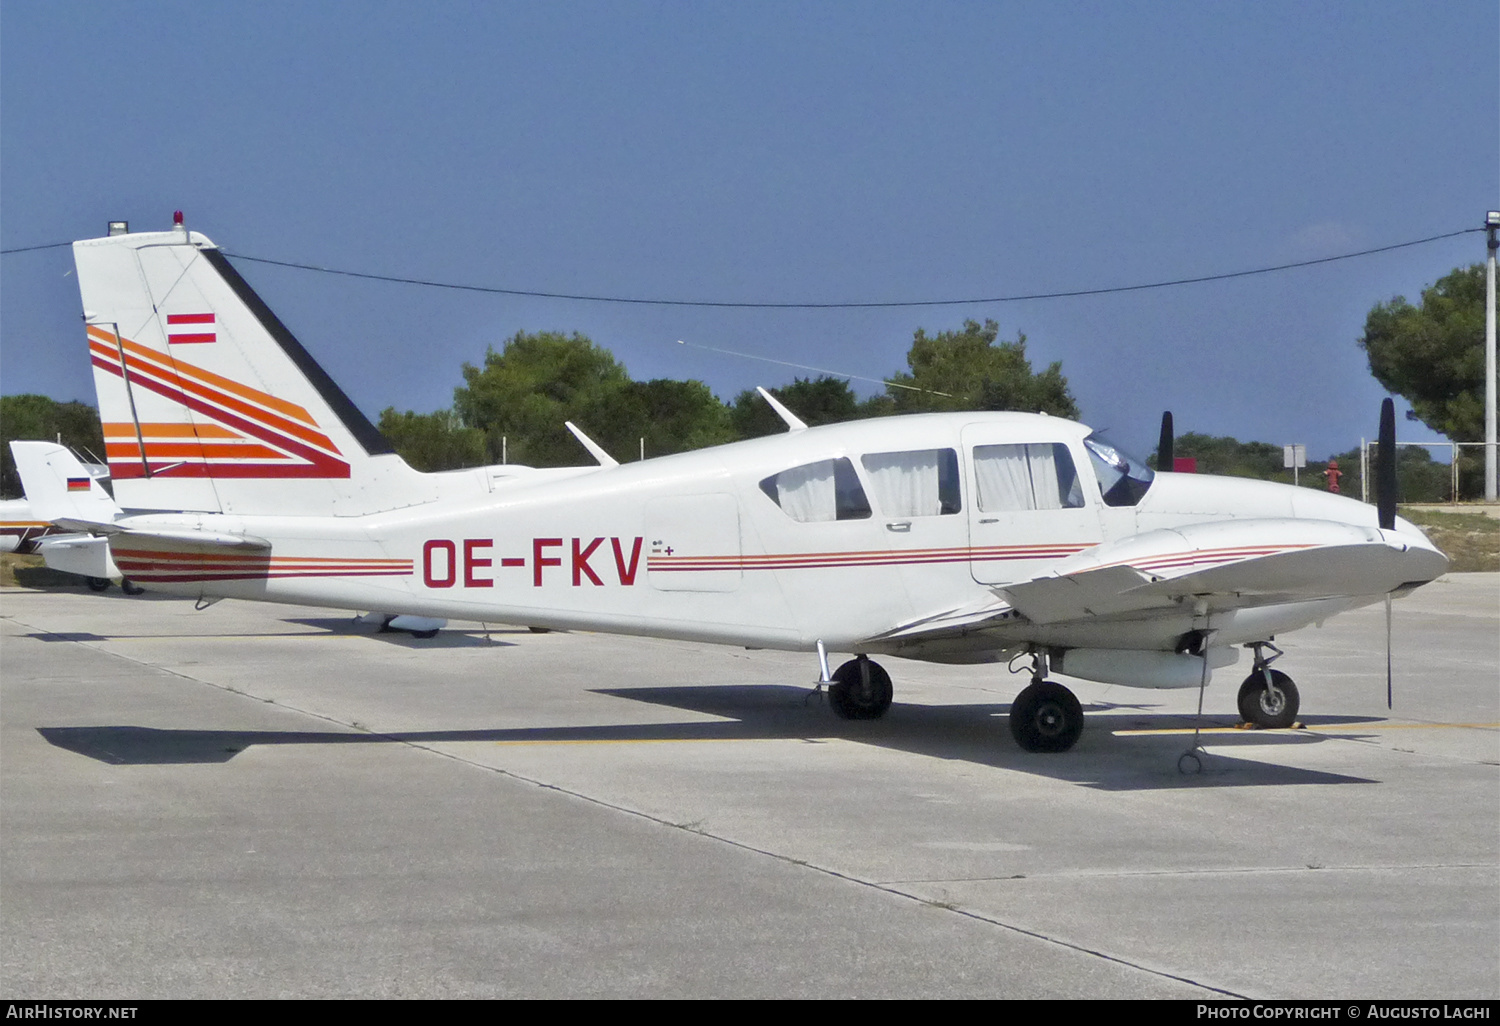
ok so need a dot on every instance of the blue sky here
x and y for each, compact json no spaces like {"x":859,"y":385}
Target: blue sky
{"x":778,"y":152}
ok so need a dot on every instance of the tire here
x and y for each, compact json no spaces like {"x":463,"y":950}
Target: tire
{"x":424,"y":635}
{"x":98,"y":583}
{"x":1257,"y":707}
{"x":1046,"y":717}
{"x":861,"y":690}
{"x":129,"y":587}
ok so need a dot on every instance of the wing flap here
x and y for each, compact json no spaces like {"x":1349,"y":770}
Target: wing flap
{"x":991,"y":609}
{"x":1091,"y":593}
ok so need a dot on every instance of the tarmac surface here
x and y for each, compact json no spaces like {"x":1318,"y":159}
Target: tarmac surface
{"x":267,"y":801}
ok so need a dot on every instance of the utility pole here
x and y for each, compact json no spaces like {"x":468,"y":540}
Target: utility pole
{"x":1491,"y":223}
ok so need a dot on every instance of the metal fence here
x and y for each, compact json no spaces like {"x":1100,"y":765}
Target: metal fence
{"x":1465,"y":467}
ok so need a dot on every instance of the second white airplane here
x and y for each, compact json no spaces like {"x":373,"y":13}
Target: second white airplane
{"x":241,"y":470}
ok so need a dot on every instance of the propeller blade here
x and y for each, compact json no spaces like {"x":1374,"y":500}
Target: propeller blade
{"x":1388,"y":650}
{"x":1164,"y":459}
{"x":1385,"y":467}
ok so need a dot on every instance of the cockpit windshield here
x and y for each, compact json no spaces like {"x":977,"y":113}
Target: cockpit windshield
{"x":1123,"y":479}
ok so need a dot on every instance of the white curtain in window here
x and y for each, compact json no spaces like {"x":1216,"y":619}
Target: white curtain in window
{"x":1016,"y":477}
{"x":906,"y":484}
{"x":1004,"y":478}
{"x":807,"y":493}
{"x":1046,"y":491}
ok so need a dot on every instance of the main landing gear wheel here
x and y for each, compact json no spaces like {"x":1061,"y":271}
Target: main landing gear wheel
{"x":129,"y":587}
{"x":1046,"y":717}
{"x":98,"y":583}
{"x":1269,"y":707}
{"x":861,"y":690}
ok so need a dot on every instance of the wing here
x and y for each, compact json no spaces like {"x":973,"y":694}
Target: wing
{"x":1227,"y":565}
{"x":1193,"y":570}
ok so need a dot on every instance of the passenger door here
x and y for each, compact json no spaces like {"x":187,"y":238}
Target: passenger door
{"x":1028,"y":506}
{"x":918,"y":500}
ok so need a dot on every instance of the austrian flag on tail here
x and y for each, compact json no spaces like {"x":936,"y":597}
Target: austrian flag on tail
{"x":193,"y":327}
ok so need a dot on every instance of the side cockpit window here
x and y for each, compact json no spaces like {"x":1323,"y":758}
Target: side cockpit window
{"x":1008,"y":478}
{"x":815,"y":492}
{"x":920,"y":483}
{"x":1123,"y":479}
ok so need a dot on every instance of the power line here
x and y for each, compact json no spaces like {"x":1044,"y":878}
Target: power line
{"x":821,"y":370}
{"x":871,"y":305}
{"x":28,"y":249}
{"x":887,"y":304}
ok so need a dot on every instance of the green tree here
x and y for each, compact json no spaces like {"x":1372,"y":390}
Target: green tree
{"x":433,"y":441}
{"x":974,"y":371}
{"x":1433,"y":355}
{"x":662,"y":416}
{"x":1231,"y":457}
{"x":525,"y":392}
{"x":38,"y":418}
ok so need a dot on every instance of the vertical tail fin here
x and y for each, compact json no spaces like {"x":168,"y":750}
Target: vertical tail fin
{"x":208,"y":401}
{"x":59,"y":487}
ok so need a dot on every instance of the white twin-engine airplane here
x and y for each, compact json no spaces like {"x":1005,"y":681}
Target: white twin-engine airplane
{"x":241,"y":470}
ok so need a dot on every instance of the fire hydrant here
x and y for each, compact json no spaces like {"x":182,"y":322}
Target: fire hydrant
{"x":1333,"y":473}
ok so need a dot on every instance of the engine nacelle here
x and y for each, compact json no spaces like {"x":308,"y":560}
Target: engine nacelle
{"x":1142,"y":669}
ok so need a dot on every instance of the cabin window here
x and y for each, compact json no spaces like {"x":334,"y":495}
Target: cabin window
{"x":1022,"y":477}
{"x":922,"y":483}
{"x":1123,"y":479}
{"x":822,"y":491}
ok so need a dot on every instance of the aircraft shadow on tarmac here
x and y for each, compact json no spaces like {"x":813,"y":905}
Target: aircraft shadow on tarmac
{"x":449,"y":638}
{"x":973,"y":733}
{"x":330,"y":625}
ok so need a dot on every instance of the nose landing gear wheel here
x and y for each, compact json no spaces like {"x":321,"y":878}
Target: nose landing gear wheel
{"x":1046,"y":717}
{"x":1271,"y":707}
{"x":861,"y":690}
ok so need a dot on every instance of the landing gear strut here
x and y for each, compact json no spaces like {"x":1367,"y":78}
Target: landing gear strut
{"x":861,"y":690}
{"x":1268,"y":698}
{"x":1045,"y":717}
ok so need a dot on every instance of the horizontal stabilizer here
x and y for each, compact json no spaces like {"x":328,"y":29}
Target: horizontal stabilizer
{"x":402,"y":622}
{"x":81,"y":554}
{"x":416,"y":624}
{"x":204,"y":539}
